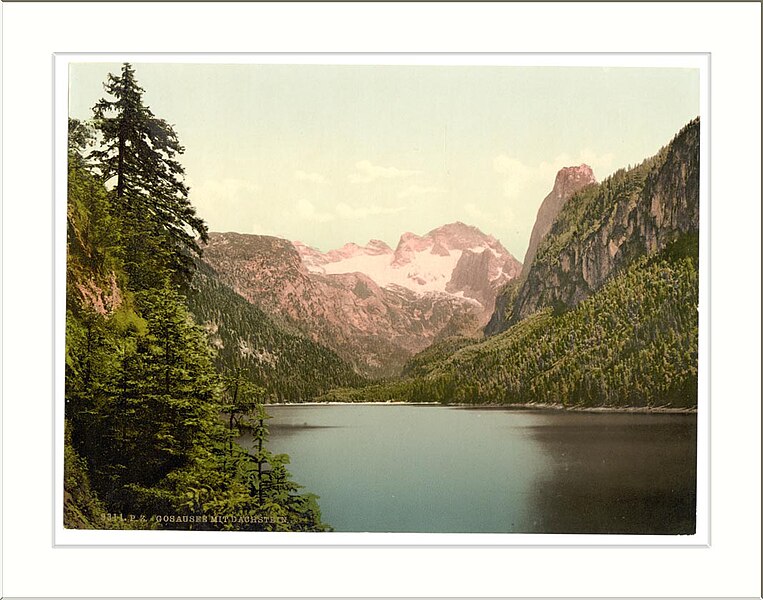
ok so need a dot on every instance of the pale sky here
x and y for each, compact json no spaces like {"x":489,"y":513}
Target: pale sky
{"x":338,"y":153}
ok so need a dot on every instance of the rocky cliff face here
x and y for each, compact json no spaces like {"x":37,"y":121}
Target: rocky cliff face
{"x":606,"y":226}
{"x":374,"y":328}
{"x":569,"y":181}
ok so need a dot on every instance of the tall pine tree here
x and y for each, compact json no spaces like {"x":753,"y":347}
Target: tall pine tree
{"x":138,"y":156}
{"x":143,"y":400}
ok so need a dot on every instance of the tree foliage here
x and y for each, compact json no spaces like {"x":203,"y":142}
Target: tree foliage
{"x":146,"y":445}
{"x":138,"y":153}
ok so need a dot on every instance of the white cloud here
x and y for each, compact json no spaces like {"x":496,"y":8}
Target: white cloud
{"x":224,"y":202}
{"x":311,"y":177}
{"x":306,"y":210}
{"x":517,"y":176}
{"x":366,"y":172}
{"x":415,"y":191}
{"x":345,"y":211}
{"x":473,"y":211}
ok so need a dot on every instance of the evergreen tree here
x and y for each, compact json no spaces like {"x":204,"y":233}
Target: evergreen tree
{"x":143,"y":399}
{"x":138,"y":155}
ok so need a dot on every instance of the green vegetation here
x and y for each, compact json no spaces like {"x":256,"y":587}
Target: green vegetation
{"x":137,"y":152}
{"x":145,"y":444}
{"x":633,"y":343}
{"x":166,"y":365}
{"x":421,"y":363}
{"x":606,"y":226}
{"x":289,"y":366}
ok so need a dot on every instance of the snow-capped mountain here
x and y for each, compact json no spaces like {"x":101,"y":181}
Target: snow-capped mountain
{"x":455,"y":259}
{"x":374,"y":306}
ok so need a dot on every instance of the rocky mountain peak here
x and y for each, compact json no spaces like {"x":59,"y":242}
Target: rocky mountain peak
{"x":377,"y":247}
{"x":569,"y":181}
{"x":574,"y":177}
{"x":640,"y":211}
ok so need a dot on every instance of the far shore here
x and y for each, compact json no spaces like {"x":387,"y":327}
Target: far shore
{"x":526,"y":406}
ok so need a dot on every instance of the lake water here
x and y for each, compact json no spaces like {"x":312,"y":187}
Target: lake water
{"x":398,"y":468}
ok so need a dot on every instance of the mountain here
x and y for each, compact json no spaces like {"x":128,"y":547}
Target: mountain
{"x":455,"y":259}
{"x":568,"y":182}
{"x":604,"y":227}
{"x":374,"y":328}
{"x":607,"y":314}
{"x":288,"y":365}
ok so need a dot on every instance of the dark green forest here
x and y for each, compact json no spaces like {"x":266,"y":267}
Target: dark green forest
{"x":151,"y":414}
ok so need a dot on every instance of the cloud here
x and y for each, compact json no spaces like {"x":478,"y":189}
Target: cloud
{"x":368,"y":172}
{"x":306,"y":210}
{"x":224,"y":202}
{"x":474,"y":212}
{"x":345,"y":211}
{"x":415,"y":191}
{"x":517,"y":176}
{"x":311,"y":177}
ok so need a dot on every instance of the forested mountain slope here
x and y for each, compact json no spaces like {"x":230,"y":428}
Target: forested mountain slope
{"x":373,"y":328}
{"x":288,"y":365}
{"x":604,"y":227}
{"x":634,"y":343}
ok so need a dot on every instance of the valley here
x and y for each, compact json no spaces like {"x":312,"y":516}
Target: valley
{"x":207,"y":364}
{"x":602,"y":313}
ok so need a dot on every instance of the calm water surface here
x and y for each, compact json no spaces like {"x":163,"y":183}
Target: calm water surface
{"x":394,"y":468}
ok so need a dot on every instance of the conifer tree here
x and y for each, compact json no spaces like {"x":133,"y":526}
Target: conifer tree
{"x":138,"y":155}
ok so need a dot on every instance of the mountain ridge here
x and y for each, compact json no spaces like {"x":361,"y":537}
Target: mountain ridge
{"x":606,"y":226}
{"x":374,"y":328}
{"x":423,"y":263}
{"x":568,"y":181}
{"x":627,"y":339}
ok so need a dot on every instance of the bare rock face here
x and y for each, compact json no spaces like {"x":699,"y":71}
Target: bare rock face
{"x":481,"y":274}
{"x":569,"y":181}
{"x":630,"y":214}
{"x":374,"y":328}
{"x":373,"y":306}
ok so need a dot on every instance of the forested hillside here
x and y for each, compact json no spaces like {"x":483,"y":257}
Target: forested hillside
{"x":144,"y":437}
{"x":634,"y":343}
{"x":605,"y":227}
{"x":289,"y":366}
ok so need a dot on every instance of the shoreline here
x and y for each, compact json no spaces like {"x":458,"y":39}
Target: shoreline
{"x":524,"y":406}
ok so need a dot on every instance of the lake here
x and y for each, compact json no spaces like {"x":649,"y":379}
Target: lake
{"x":413,"y":468}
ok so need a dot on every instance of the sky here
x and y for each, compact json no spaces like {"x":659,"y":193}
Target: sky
{"x":330,"y":154}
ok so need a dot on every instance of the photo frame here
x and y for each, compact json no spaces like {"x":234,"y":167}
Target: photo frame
{"x":604,"y":586}
{"x":67,"y":87}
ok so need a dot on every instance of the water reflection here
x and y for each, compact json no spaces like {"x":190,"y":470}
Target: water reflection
{"x":617,"y":473}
